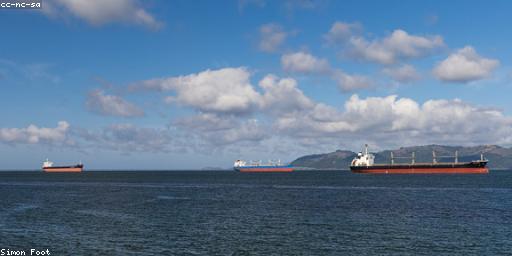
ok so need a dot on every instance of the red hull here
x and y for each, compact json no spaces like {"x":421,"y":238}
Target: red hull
{"x":74,"y":169}
{"x":423,"y":171}
{"x":265,"y":169}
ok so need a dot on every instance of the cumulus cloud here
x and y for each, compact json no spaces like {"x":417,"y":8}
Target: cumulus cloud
{"x":296,"y":114}
{"x":387,"y":120}
{"x":403,"y":74}
{"x":283,"y":95}
{"x":347,"y":82}
{"x":340,"y":32}
{"x":226,"y":90}
{"x":399,"y":45}
{"x":229,"y":120}
{"x":98,"y":12}
{"x":465,"y":65}
{"x":222,"y":128}
{"x":321,"y":120}
{"x":37,"y":135}
{"x":302,"y":62}
{"x":381,"y":113}
{"x":279,"y":108}
{"x":272,"y":37}
{"x":111,"y":105}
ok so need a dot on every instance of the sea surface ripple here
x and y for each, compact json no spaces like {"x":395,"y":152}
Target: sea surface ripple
{"x":230,"y":213}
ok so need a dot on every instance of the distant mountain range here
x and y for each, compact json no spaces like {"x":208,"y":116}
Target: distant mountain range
{"x":499,"y":157}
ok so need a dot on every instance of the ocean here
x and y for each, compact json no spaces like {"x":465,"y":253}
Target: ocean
{"x":230,"y":213}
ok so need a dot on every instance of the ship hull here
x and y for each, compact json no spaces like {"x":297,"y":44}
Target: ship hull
{"x":76,"y":168}
{"x":464,"y":168}
{"x":264,"y":169}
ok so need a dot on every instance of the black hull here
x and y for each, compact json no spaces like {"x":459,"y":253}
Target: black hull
{"x":64,"y":167}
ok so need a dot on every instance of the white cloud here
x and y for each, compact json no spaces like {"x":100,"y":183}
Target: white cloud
{"x":302,"y":62}
{"x":380,"y":113}
{"x":272,"y":37}
{"x":280,"y":96}
{"x":465,"y":65}
{"x":340,"y":32}
{"x":393,"y":121}
{"x":296,"y":114}
{"x":98,"y":12}
{"x":34,"y":135}
{"x":218,"y":121}
{"x":283,"y":95}
{"x":226,"y":90}
{"x":282,"y":110}
{"x":398,"y":45}
{"x":404,"y":74}
{"x":347,"y":82}
{"x":321,"y":120}
{"x":111,"y":105}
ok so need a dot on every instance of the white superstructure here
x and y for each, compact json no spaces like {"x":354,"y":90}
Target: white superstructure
{"x":239,"y":163}
{"x":47,"y":163}
{"x":242,"y":163}
{"x":365,"y":159}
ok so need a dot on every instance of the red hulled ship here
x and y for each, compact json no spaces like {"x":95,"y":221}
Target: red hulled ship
{"x":364,"y":163}
{"x":48,"y":167}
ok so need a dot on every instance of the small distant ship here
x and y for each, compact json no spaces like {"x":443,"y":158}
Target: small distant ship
{"x":257,"y":166}
{"x":364,"y":163}
{"x":48,"y":167}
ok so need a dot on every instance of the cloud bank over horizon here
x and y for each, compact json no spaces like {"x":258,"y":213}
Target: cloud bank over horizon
{"x":276,"y":109}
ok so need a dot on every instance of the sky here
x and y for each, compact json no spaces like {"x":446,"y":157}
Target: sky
{"x":127,"y":84}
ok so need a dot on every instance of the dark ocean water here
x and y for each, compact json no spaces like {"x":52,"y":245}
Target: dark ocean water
{"x":229,"y":213}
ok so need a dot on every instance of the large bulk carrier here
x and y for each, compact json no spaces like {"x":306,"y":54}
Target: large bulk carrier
{"x":243,"y":166}
{"x":48,"y":167}
{"x":364,"y":163}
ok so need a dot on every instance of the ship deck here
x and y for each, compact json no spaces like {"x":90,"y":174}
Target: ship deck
{"x":429,"y":165}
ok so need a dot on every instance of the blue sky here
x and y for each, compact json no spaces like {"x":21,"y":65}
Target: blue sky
{"x":189,"y":84}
